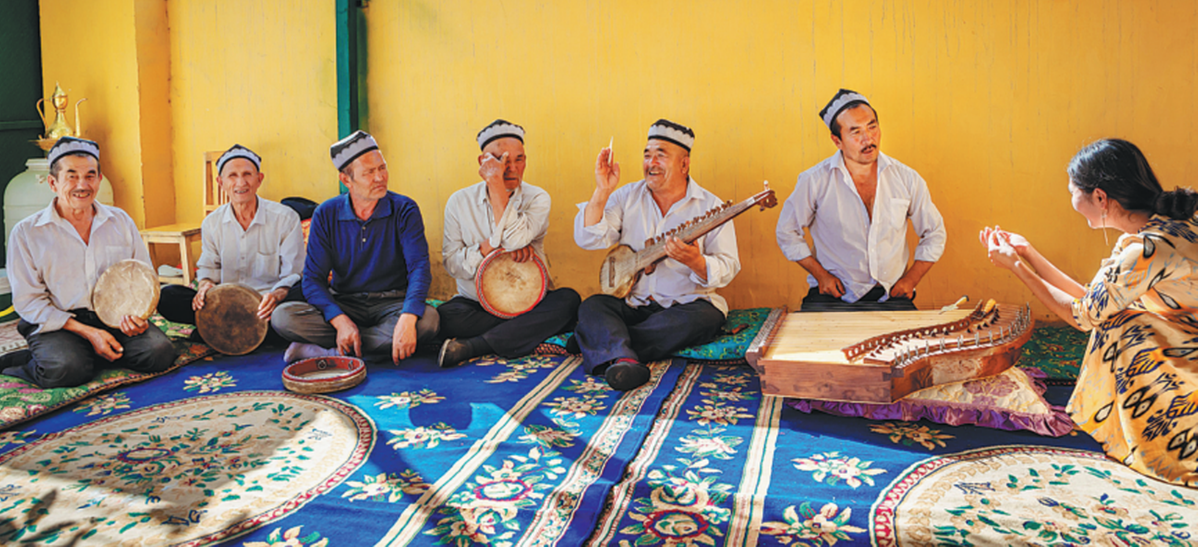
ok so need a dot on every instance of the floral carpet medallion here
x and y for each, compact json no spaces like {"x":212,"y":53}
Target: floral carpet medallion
{"x":192,"y":472}
{"x":1027,"y":495}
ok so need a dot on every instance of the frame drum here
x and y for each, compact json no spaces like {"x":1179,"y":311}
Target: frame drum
{"x":129,"y":287}
{"x":324,"y":374}
{"x":229,"y":319}
{"x":507,"y":288}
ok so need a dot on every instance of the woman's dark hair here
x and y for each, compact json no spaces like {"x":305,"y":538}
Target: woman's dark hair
{"x":1122,"y":171}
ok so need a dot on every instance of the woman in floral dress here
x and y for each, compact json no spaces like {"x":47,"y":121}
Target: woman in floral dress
{"x":1137,"y":392}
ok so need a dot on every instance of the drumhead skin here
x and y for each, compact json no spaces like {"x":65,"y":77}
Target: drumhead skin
{"x":229,"y":319}
{"x":129,"y":287}
{"x":507,"y":288}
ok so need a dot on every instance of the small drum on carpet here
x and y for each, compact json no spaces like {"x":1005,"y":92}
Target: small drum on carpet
{"x":507,"y":288}
{"x":324,"y":374}
{"x":129,"y":287}
{"x":229,"y":320}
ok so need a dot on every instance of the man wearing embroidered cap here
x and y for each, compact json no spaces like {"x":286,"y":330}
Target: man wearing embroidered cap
{"x":249,"y":240}
{"x":676,"y":305}
{"x":502,"y":212}
{"x":55,"y":258}
{"x":372,"y":241}
{"x":856,"y":204}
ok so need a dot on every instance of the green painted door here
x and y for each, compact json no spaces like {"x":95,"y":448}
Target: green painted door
{"x":21,"y":70}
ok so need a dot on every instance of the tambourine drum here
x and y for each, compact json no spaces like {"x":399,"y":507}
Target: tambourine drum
{"x":129,"y":287}
{"x":324,"y":374}
{"x":507,"y":288}
{"x":229,"y":319}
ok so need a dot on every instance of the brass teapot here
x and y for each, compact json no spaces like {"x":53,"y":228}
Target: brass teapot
{"x":59,"y":127}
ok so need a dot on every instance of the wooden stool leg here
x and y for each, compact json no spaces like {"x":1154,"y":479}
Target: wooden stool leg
{"x":153,"y":256}
{"x":185,"y":257}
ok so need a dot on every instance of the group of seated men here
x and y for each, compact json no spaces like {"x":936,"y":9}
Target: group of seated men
{"x":360,"y":284}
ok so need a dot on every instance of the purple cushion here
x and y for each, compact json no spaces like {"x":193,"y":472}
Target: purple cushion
{"x":1011,"y":400}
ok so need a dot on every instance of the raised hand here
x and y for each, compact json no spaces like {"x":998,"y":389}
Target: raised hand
{"x":1016,"y":241}
{"x":607,"y":171}
{"x":1002,"y":254}
{"x":491,"y":168}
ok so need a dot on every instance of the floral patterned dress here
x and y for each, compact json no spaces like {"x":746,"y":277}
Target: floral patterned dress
{"x":1137,"y":392}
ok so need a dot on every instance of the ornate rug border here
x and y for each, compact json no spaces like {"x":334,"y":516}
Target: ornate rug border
{"x":882,"y":511}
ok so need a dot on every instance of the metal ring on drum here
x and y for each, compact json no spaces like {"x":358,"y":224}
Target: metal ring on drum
{"x":507,"y":288}
{"x":229,"y":321}
{"x":129,"y":287}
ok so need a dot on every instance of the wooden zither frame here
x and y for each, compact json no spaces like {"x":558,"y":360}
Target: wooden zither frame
{"x":880,"y":357}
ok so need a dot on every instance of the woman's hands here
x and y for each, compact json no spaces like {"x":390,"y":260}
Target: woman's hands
{"x":1016,"y":241}
{"x":1006,"y":249}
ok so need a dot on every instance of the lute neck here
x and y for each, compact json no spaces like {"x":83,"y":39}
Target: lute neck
{"x":689,"y":231}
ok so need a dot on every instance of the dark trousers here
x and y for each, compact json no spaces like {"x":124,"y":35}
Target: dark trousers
{"x":175,"y":305}
{"x":814,"y":301}
{"x":64,"y":359}
{"x":465,"y":318}
{"x":375,"y":314}
{"x":609,"y":329}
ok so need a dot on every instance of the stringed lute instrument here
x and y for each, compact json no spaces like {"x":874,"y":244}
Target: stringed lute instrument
{"x":623,"y":266}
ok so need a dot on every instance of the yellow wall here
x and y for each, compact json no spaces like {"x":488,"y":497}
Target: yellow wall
{"x":90,"y":47}
{"x":987,"y":100}
{"x":260,"y":74}
{"x":154,"y":104}
{"x":168,"y":80}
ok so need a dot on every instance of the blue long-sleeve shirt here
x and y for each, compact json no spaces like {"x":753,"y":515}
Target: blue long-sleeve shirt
{"x":386,"y":252}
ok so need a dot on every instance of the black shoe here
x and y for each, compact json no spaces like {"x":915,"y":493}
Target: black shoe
{"x":572,"y":345}
{"x":626,"y":374}
{"x":13,"y":364}
{"x":453,"y":352}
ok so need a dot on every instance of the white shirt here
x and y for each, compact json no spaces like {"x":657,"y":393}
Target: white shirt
{"x":469,"y":221}
{"x":52,"y":270}
{"x":631,"y":217}
{"x":266,"y":256}
{"x":860,"y":253}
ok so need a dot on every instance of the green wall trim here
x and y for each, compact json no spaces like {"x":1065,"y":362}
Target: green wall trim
{"x":23,"y":124}
{"x":21,"y":57}
{"x":348,"y":55}
{"x":347,"y":67}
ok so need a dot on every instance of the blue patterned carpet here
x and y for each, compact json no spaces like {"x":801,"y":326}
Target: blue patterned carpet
{"x":534,"y":452}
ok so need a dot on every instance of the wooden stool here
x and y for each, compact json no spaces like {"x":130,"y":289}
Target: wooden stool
{"x":174,"y":234}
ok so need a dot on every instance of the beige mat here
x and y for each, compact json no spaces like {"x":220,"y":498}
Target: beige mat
{"x":10,"y":339}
